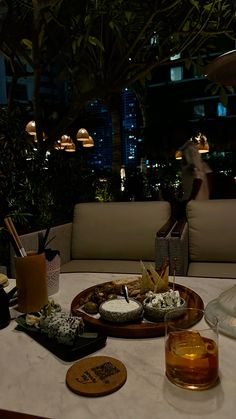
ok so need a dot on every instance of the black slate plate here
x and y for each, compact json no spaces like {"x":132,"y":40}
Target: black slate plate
{"x":82,"y":347}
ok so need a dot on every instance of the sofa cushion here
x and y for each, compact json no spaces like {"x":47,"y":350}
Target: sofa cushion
{"x":212,"y":269}
{"x":212,"y":230}
{"x":117,"y":230}
{"x":91,"y":265}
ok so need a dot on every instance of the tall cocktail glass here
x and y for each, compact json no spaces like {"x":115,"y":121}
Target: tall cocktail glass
{"x":191,"y":351}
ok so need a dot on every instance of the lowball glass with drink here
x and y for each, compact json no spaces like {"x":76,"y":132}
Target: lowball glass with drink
{"x":191,"y":352}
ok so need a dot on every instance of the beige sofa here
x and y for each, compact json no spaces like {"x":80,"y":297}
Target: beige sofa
{"x":205,"y":245}
{"x":111,"y":236}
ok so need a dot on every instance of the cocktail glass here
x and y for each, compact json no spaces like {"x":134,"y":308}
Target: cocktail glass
{"x":191,"y":351}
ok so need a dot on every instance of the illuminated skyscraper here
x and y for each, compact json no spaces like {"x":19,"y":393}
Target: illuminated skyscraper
{"x":100,"y":156}
{"x":129,"y":128}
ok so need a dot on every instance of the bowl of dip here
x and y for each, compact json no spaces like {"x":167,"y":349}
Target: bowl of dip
{"x":120,"y":311}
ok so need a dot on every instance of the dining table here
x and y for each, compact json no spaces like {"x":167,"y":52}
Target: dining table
{"x":33,"y":380}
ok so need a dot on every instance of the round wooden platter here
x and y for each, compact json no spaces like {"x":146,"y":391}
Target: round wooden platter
{"x":142,"y":329}
{"x":96,"y":376}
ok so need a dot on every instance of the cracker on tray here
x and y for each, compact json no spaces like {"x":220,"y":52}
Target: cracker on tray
{"x":151,"y":279}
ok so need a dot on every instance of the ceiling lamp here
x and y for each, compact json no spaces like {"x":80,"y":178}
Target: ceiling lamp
{"x":66,"y":143}
{"x":70,"y":148}
{"x":178,"y":155}
{"x":88,"y":142}
{"x":58,"y":145}
{"x":82,"y":134}
{"x":65,"y":140}
{"x":31,"y":128}
{"x":202,"y":144}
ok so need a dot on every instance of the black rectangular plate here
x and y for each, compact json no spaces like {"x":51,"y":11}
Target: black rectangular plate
{"x":82,"y":346}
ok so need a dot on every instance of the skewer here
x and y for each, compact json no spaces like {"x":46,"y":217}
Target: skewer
{"x":174,"y":272}
{"x":14,"y":234}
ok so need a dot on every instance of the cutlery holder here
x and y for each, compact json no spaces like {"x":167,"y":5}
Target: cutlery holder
{"x":53,"y":272}
{"x":31,"y":282}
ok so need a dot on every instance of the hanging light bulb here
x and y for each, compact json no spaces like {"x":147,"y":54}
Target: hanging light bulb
{"x":203,"y":145}
{"x":82,"y":134}
{"x":200,"y":142}
{"x":31,"y":128}
{"x":65,"y":140}
{"x":70,"y":148}
{"x":67,"y":143}
{"x":88,"y":142}
{"x":178,"y":155}
{"x":58,"y":145}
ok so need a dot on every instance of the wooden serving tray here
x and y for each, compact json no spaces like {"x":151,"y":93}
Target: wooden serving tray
{"x":142,"y":329}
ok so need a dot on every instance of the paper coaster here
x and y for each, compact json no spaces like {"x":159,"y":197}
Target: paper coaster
{"x":96,"y":376}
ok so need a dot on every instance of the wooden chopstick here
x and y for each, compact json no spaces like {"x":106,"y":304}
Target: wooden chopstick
{"x":22,"y":249}
{"x":14,"y":234}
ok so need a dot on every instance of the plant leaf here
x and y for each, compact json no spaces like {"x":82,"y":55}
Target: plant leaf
{"x":223,"y":96}
{"x":27,"y":43}
{"x":95,"y":41}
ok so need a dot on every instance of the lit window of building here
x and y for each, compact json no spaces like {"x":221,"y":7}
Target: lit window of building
{"x":175,"y":57}
{"x":154,"y":39}
{"x":221,"y":109}
{"x":176,"y":73}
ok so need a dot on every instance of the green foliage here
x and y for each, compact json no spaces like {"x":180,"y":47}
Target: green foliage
{"x":103,"y":46}
{"x":216,"y":89}
{"x":94,"y":41}
{"x":36,"y":189}
{"x":103,"y":192}
{"x":223,"y":96}
{"x":195,"y":3}
{"x":15,"y":149}
{"x":106,"y":45}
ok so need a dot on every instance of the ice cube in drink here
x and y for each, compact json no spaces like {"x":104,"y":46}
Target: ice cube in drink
{"x":187,"y":344}
{"x":191,"y":359}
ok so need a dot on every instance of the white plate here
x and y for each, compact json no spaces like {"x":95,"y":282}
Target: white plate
{"x":227,"y":323}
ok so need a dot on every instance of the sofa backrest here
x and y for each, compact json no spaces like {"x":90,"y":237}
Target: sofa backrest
{"x":212,"y":230}
{"x":117,"y":230}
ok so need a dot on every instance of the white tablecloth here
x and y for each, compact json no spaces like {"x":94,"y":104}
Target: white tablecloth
{"x":32,"y":380}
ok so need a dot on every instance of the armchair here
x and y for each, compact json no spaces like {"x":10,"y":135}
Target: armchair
{"x":204,"y":243}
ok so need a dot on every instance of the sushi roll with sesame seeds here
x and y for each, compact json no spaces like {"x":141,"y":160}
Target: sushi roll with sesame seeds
{"x":63,"y":327}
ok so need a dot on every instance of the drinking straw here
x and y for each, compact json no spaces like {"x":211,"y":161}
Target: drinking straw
{"x":14,"y":234}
